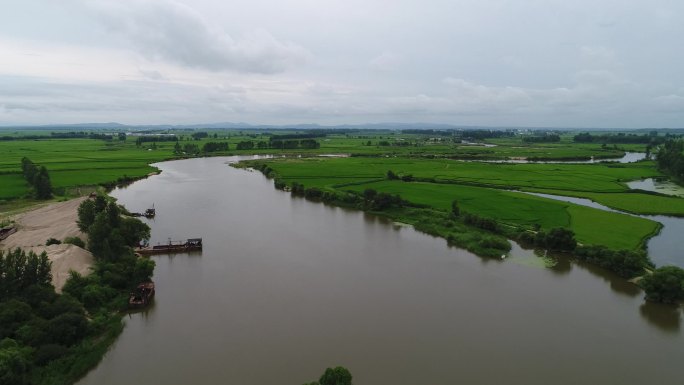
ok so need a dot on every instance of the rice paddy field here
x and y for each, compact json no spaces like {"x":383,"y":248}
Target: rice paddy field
{"x":491,"y":190}
{"x":496,"y":191}
{"x":73,"y":162}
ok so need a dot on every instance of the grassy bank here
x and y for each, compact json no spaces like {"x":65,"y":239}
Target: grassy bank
{"x":482,"y":188}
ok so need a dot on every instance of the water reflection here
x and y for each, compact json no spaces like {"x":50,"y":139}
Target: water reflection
{"x":667,"y":318}
{"x":659,"y":186}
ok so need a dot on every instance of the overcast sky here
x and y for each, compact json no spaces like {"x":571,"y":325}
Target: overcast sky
{"x":579,"y":63}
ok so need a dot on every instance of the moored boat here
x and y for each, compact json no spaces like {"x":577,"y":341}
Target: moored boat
{"x":142,"y":296}
{"x":192,"y":244}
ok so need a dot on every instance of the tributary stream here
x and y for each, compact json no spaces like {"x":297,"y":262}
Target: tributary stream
{"x":286,"y":287}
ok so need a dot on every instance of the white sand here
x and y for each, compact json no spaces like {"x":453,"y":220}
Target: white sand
{"x":57,"y":220}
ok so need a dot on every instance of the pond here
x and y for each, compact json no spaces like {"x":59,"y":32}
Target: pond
{"x":660,"y":186}
{"x":286,"y":287}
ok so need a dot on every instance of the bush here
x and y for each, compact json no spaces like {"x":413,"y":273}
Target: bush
{"x":49,"y":352}
{"x":337,"y":376}
{"x":666,"y":285}
{"x":557,"y":239}
{"x":76,"y":241}
{"x":626,"y":263}
{"x":52,"y":241}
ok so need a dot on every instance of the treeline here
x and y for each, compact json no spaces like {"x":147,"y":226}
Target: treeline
{"x":155,"y":138}
{"x":622,"y":138}
{"x":546,"y":138}
{"x":670,"y":158}
{"x":214,"y":147}
{"x":306,"y":144}
{"x":313,"y":133}
{"x":38,"y":178}
{"x":60,"y":135}
{"x":484,"y":134}
{"x":399,"y":143}
{"x":429,"y":132}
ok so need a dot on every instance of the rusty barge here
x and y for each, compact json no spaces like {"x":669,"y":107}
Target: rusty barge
{"x":149,"y":213}
{"x":142,"y":296}
{"x":192,"y":244}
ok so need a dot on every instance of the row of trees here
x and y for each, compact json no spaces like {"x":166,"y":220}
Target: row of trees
{"x":306,"y":144}
{"x":376,"y":201}
{"x":60,"y":135}
{"x":546,"y":138}
{"x":37,"y":326}
{"x":38,"y":178}
{"x":155,"y":138}
{"x":19,"y":271}
{"x":670,"y":158}
{"x":651,"y":138}
{"x":214,"y":147}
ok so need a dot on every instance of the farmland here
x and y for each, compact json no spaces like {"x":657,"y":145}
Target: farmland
{"x":437,"y":169}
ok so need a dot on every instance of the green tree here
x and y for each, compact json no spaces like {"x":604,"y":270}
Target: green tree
{"x":42,"y":184}
{"x":337,"y":376}
{"x":666,"y":285}
{"x":455,"y":210}
{"x":86,"y":215}
{"x":14,"y":363}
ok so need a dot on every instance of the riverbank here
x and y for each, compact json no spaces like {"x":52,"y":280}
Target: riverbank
{"x":75,"y":318}
{"x":54,"y":220}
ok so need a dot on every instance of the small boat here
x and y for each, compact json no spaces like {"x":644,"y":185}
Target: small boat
{"x":150,"y":213}
{"x":142,"y":296}
{"x":192,"y":244}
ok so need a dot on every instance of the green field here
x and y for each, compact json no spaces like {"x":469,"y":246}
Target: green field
{"x":479,"y":187}
{"x":485,"y":189}
{"x":591,"y":226}
{"x":603,"y":183}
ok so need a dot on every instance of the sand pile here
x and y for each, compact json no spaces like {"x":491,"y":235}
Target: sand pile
{"x":57,"y":220}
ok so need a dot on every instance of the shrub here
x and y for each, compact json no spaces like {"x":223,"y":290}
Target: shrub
{"x":49,"y":352}
{"x":666,"y":285}
{"x":52,"y":241}
{"x":76,"y":241}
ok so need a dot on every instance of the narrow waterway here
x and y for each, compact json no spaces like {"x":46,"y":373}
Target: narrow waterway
{"x":664,"y":249}
{"x":285,"y":288}
{"x":629,"y":157}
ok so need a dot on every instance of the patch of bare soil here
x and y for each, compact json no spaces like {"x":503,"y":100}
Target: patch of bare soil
{"x":57,"y":220}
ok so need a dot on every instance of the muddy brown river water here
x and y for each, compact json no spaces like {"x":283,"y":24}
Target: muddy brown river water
{"x":286,"y":287}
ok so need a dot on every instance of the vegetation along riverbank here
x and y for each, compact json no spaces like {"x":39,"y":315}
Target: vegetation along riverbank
{"x":417,"y":177}
{"x":51,"y":337}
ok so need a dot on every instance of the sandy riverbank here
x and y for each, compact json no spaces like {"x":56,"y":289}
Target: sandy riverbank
{"x":56,"y":220}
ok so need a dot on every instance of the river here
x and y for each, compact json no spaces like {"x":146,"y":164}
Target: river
{"x":285,"y":288}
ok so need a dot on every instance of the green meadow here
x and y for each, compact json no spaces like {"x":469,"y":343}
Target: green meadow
{"x":601,"y":182}
{"x":485,"y":188}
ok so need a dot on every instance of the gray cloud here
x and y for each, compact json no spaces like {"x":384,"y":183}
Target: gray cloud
{"x":175,"y":32}
{"x":583,"y":63}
